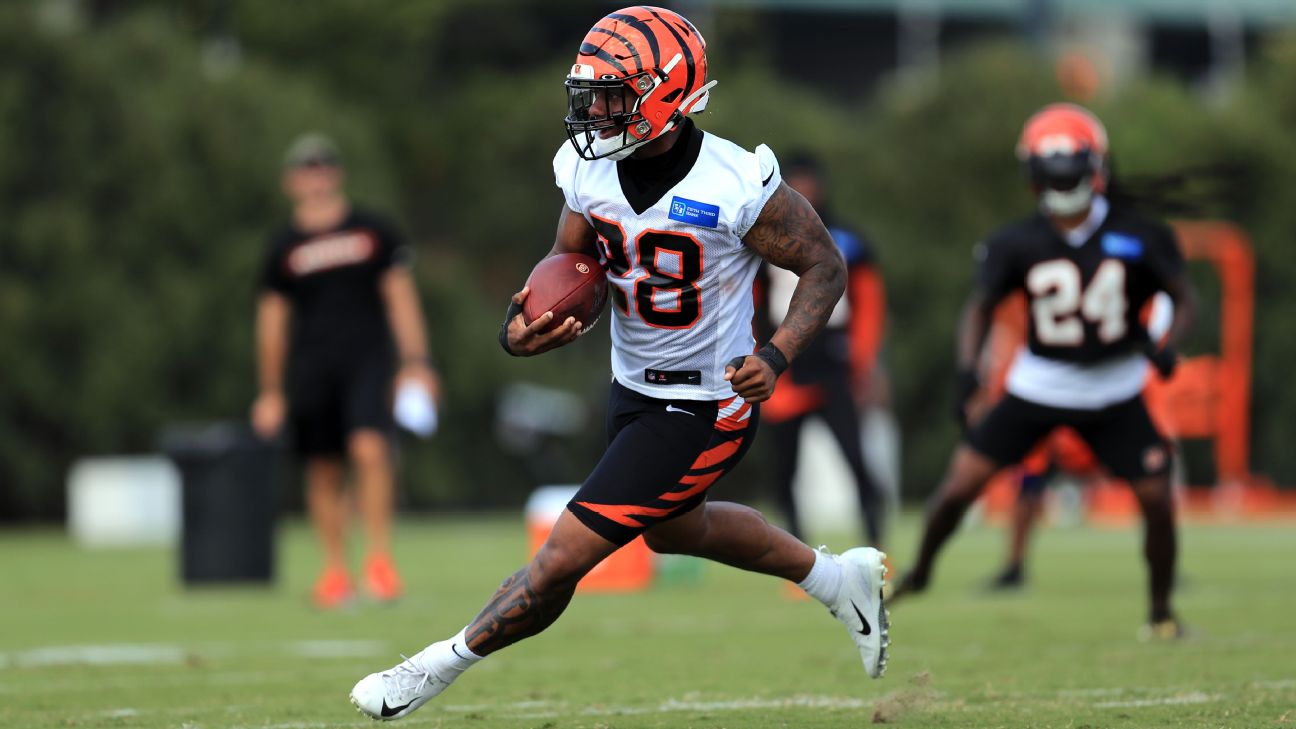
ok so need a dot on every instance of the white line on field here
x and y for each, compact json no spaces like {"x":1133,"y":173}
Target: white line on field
{"x":307,"y":725}
{"x":550,"y":709}
{"x":98,"y":655}
{"x":170,"y":654}
{"x":809,"y":702}
{"x":1090,"y":692}
{"x":337,"y":648}
{"x":1194,"y":697}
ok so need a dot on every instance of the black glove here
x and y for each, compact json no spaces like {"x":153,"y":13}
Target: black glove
{"x":770,"y":353}
{"x":513,"y":310}
{"x":968,"y":384}
{"x":1164,"y":359}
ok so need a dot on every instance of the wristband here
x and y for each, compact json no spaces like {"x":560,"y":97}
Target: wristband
{"x":968,"y":384}
{"x":1164,"y":359}
{"x":773,"y":357}
{"x":514,"y":309}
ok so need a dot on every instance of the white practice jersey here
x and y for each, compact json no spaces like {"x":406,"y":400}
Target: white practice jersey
{"x":1094,"y":386}
{"x":679,"y":276}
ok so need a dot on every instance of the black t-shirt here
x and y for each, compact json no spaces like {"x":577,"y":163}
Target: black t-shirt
{"x":332,"y":280}
{"x":1083,"y":302}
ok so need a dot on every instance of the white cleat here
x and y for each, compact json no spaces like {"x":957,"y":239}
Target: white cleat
{"x":398,"y":691}
{"x":859,"y":605}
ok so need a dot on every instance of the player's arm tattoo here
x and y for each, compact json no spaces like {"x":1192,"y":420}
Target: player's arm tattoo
{"x":515,"y":612}
{"x":789,"y":234}
{"x":575,"y":235}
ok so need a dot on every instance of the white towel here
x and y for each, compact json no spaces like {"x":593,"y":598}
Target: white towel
{"x":415,"y":410}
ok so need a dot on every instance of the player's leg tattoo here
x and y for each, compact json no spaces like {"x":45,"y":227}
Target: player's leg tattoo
{"x":518,"y":610}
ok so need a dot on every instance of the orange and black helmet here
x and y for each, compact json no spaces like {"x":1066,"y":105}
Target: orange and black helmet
{"x":1063,"y":146}
{"x":639,"y":71}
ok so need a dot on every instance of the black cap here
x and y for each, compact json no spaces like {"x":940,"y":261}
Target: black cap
{"x":801,"y":162}
{"x":312,"y":149}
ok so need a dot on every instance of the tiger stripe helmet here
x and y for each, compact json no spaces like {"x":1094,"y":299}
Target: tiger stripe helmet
{"x":1063,"y":148}
{"x":640,"y":70}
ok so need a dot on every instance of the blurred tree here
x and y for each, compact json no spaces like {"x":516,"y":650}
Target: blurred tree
{"x":138,"y":180}
{"x":137,"y":191}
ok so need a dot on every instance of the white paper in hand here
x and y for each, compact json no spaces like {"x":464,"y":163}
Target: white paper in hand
{"x":415,"y":410}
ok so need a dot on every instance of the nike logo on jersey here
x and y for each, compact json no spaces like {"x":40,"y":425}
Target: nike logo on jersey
{"x":866,"y":630}
{"x":673,"y":409}
{"x":390,"y":711}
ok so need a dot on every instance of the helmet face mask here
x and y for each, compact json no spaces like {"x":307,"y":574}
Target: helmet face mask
{"x":1060,"y":171}
{"x":640,"y":70}
{"x":1063,"y":150}
{"x":604,"y":117}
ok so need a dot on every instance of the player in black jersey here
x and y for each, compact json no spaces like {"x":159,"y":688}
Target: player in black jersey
{"x":336,"y":291}
{"x":1087,"y":267}
{"x":835,"y":374}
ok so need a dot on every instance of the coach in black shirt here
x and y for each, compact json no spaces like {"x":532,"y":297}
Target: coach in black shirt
{"x":336,"y":294}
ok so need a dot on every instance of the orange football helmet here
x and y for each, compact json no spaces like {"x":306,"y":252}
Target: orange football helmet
{"x":639,"y":72}
{"x":1063,"y":148}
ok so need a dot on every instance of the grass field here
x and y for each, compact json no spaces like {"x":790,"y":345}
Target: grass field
{"x":109,"y":639}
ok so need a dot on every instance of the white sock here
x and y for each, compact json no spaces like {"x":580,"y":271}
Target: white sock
{"x":824,"y":580}
{"x":453,"y":653}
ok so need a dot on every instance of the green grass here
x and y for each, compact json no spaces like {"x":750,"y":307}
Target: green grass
{"x":728,"y":651}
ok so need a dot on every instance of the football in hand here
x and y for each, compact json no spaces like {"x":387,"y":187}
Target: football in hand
{"x":568,"y":284}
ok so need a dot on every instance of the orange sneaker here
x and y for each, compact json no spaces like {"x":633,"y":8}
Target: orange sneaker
{"x":382,"y":582}
{"x":333,"y":588}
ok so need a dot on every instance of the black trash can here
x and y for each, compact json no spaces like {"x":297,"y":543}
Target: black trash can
{"x":229,"y":502}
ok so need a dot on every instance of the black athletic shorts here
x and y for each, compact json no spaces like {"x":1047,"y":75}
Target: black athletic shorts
{"x":1122,"y":436}
{"x":662,"y":456}
{"x":331,"y":397}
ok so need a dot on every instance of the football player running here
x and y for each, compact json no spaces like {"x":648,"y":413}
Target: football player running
{"x":682,"y":219}
{"x":1086,"y":266}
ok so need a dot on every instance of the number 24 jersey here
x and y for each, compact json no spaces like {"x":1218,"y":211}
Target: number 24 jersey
{"x":1083,"y":301}
{"x":679,"y":276}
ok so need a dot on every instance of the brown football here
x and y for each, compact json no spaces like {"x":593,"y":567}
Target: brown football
{"x":568,"y":284}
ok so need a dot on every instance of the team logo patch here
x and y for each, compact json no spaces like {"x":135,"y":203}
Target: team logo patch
{"x":1119,"y":245}
{"x":331,"y":251}
{"x":1154,"y":459}
{"x":693,"y":212}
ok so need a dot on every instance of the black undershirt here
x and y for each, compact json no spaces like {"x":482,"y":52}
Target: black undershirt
{"x":644,"y":181}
